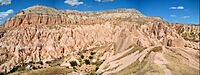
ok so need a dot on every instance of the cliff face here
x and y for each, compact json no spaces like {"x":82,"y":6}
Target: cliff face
{"x":120,"y":39}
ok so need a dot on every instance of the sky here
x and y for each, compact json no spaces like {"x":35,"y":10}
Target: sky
{"x":181,"y":11}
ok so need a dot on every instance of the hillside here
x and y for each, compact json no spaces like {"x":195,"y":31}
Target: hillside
{"x":119,"y":41}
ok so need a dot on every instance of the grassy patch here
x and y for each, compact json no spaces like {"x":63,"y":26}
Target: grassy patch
{"x":178,"y":68}
{"x":141,"y":68}
{"x":46,"y":71}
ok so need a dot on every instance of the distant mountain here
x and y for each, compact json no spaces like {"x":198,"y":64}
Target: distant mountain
{"x":44,"y":40}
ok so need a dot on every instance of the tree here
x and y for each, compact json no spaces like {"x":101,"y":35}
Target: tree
{"x":87,"y":61}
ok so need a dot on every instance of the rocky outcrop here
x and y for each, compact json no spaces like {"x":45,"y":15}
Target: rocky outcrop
{"x":42,"y":34}
{"x":187,"y":31}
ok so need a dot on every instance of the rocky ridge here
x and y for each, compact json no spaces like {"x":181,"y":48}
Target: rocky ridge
{"x":123,"y":40}
{"x":38,"y":14}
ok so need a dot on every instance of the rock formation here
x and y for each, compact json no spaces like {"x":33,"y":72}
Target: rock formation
{"x":124,"y":40}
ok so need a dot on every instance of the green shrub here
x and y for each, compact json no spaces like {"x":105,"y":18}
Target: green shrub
{"x":82,"y":56}
{"x":48,"y":62}
{"x":40,"y":62}
{"x":92,"y":53}
{"x":87,"y":61}
{"x":73,"y":63}
{"x":98,"y":63}
{"x":91,"y":57}
{"x":18,"y":68}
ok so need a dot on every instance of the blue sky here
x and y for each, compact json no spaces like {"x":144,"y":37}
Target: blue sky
{"x":182,"y":11}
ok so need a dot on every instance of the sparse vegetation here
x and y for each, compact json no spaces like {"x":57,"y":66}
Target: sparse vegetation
{"x":93,"y":73}
{"x":40,"y":62}
{"x":139,"y":68}
{"x":98,"y":63}
{"x":180,"y":68}
{"x":48,"y":62}
{"x":45,"y":71}
{"x":3,"y":73}
{"x":18,"y":68}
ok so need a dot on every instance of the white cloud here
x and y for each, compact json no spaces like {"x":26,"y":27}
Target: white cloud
{"x":177,"y":8}
{"x":180,"y":7}
{"x":5,"y":2}
{"x":104,"y":0}
{"x":5,"y":14}
{"x":173,"y":16}
{"x":73,"y":2}
{"x":185,"y":17}
{"x":172,"y":8}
